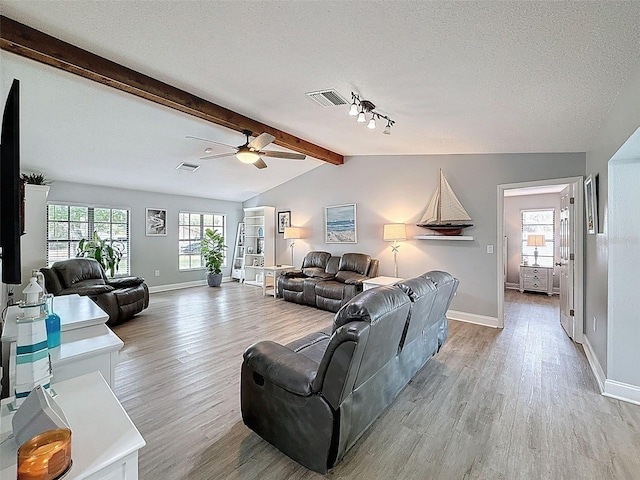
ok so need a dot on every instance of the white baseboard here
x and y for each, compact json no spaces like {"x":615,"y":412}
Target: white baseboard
{"x":512,"y":286}
{"x":472,"y":318}
{"x":596,"y":368}
{"x":610,"y":388}
{"x":178,"y":286}
{"x":622,"y":391}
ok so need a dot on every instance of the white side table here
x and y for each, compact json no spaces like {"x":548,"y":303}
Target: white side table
{"x":104,"y":441}
{"x":379,"y":282}
{"x":273,"y":272}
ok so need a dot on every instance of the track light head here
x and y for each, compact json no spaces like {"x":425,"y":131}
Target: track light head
{"x":372,"y":123}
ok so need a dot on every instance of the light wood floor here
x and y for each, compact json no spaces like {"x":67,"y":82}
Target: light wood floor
{"x":518,"y":403}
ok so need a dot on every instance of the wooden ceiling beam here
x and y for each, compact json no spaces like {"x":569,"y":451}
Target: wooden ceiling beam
{"x":27,"y":42}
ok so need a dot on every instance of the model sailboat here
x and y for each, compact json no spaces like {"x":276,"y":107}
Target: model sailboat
{"x":445,"y":214}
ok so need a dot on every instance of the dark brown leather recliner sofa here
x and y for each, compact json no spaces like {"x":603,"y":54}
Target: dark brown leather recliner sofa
{"x":313,"y":398}
{"x":325,"y":281}
{"x":121,"y":298}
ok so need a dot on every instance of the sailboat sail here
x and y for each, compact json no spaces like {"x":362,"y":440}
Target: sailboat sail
{"x":445,"y":210}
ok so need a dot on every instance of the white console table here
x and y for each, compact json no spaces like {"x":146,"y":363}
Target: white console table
{"x":86,"y":343}
{"x":104,"y":441}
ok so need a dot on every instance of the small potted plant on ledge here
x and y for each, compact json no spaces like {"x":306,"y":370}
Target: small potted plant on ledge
{"x":212,"y":250}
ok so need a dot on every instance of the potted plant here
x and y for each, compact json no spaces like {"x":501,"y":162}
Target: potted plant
{"x":212,"y":249}
{"x":107,"y":252}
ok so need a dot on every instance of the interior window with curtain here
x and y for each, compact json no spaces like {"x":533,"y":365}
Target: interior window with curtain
{"x":538,"y":230}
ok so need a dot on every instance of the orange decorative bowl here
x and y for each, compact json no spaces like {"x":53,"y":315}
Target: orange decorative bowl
{"x":46,"y":456}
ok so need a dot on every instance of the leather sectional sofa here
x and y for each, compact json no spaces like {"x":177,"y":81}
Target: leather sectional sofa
{"x":121,"y":298}
{"x":325,"y":281}
{"x":313,"y":398}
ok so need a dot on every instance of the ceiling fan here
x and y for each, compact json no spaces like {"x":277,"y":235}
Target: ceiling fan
{"x":251,"y":152}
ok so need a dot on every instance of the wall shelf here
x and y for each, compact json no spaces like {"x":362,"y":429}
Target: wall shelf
{"x":443,"y":237}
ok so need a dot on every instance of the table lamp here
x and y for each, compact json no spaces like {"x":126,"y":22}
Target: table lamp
{"x":291,"y":233}
{"x":535,"y":241}
{"x":394,"y":232}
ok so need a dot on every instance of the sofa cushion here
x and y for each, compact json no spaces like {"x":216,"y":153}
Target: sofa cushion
{"x":330,"y":289}
{"x":88,"y":290}
{"x":77,"y":269}
{"x":125,"y":282}
{"x":355,"y":262}
{"x":316,"y":272}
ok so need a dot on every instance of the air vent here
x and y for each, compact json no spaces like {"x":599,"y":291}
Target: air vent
{"x":327,"y":98}
{"x":189,"y":167}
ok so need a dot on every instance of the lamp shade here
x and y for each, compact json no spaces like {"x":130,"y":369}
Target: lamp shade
{"x":291,"y":233}
{"x":394,"y":231}
{"x":536,"y":241}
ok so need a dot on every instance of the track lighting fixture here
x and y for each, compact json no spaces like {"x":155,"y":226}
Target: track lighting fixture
{"x":360,"y":107}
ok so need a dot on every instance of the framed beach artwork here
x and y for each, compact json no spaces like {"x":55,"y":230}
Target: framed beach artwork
{"x":340,"y":224}
{"x":591,"y":204}
{"x":284,"y":220}
{"x":156,"y":222}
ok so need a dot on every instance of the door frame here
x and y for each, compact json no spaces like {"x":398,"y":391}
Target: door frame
{"x":578,"y":235}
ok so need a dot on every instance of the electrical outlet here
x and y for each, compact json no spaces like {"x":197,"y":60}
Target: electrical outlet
{"x":157,"y":273}
{"x":489,"y":248}
{"x":595,"y":323}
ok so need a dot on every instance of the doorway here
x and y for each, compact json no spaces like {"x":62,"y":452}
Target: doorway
{"x":576,"y":186}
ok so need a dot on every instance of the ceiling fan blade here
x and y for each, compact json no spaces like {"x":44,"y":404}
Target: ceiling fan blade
{"x":261,"y":141}
{"x":208,"y":141}
{"x":259,"y":163}
{"x":288,"y":155}
{"x":219,"y":155}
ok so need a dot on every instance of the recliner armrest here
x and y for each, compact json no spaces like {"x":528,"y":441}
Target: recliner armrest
{"x":125,"y":282}
{"x":282,"y":366}
{"x":351,"y":278}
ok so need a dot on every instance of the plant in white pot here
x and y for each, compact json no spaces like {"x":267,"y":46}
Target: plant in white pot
{"x":212,"y":249}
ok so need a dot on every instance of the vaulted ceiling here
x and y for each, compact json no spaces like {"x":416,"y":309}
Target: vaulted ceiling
{"x":457,"y":77}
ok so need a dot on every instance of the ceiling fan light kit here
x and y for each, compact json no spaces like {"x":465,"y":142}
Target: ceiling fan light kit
{"x":361,"y":107}
{"x":251,"y":152}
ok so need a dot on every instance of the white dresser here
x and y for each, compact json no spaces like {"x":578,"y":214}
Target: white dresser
{"x":536,"y":279}
{"x":105,"y":442}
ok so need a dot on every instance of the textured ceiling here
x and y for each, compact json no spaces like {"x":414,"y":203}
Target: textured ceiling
{"x":457,"y":77}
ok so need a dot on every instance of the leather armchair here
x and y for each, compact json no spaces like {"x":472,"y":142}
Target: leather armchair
{"x":121,"y":298}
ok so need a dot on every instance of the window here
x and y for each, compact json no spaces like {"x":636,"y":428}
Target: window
{"x":68,"y":224}
{"x":191,"y":230}
{"x":538,"y":222}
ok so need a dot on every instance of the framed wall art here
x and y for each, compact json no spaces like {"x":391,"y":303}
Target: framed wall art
{"x":340,"y":224}
{"x":156,"y":222}
{"x":591,"y":204}
{"x":284,"y":220}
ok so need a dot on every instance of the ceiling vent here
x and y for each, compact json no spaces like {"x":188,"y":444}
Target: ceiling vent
{"x":327,"y":98}
{"x":189,"y":167}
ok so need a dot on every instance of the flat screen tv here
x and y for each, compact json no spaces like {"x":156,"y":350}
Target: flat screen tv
{"x":11,"y":188}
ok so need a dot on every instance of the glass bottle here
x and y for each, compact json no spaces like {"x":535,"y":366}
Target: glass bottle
{"x":52,"y":321}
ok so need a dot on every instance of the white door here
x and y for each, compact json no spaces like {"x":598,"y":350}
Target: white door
{"x":566,"y":264}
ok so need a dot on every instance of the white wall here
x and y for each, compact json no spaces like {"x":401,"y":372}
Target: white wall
{"x":33,"y":244}
{"x":621,"y":122}
{"x":152,"y":253}
{"x":397,"y":189}
{"x":624,"y":282}
{"x":513,"y":228}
